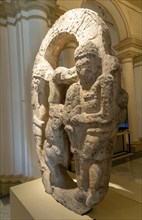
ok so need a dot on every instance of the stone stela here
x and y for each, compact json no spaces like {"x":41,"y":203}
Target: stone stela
{"x":76,"y":111}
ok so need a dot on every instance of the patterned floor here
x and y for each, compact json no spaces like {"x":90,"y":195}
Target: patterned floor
{"x":5,"y":208}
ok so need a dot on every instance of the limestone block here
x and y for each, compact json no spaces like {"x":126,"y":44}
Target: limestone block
{"x":76,"y":111}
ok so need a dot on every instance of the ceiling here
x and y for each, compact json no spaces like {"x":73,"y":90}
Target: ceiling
{"x":137,"y":3}
{"x":69,"y":4}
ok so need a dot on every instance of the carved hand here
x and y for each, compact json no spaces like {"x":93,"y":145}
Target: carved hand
{"x":89,"y":118}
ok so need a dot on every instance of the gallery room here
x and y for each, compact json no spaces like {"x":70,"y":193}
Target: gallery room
{"x":71,"y":109}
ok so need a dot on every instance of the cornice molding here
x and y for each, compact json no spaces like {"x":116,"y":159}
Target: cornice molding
{"x":13,"y":7}
{"x":129,"y":42}
{"x":130,"y":47}
{"x":138,"y":59}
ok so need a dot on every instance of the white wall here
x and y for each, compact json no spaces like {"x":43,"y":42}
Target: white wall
{"x":6,"y":125}
{"x":19,"y":43}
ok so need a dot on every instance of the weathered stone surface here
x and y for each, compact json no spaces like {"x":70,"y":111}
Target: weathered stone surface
{"x":76,"y":111}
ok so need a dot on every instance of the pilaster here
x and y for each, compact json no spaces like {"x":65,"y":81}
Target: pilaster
{"x":128,"y":50}
{"x":128,"y":83}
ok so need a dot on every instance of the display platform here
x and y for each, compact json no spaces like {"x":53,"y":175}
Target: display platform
{"x":29,"y":201}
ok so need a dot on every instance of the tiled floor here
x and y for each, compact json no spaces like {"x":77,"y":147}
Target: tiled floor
{"x":5,"y":208}
{"x":126,"y":179}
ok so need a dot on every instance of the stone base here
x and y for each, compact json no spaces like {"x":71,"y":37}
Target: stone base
{"x":29,"y":201}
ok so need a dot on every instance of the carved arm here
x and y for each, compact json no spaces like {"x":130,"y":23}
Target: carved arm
{"x":64,"y":75}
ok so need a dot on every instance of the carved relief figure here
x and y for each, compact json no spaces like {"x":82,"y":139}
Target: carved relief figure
{"x":81,"y":112}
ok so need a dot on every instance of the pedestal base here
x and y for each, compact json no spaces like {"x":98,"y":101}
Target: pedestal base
{"x":29,"y":201}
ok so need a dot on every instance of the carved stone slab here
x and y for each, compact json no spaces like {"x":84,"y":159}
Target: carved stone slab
{"x":76,"y":111}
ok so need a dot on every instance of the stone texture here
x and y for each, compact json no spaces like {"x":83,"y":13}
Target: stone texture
{"x":76,"y":111}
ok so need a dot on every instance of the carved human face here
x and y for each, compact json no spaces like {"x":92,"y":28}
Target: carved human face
{"x":88,"y":69}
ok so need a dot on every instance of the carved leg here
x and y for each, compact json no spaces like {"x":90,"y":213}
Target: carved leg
{"x":99,"y":175}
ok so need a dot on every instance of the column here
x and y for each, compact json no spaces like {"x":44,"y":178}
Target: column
{"x":67,"y":55}
{"x":23,"y":25}
{"x":128,"y":84}
{"x":138,"y":91}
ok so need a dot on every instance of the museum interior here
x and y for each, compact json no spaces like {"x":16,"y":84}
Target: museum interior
{"x":23,"y":26}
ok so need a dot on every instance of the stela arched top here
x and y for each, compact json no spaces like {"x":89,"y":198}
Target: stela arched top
{"x":77,"y":25}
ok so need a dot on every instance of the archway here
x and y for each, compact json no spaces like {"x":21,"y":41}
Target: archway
{"x":111,"y":12}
